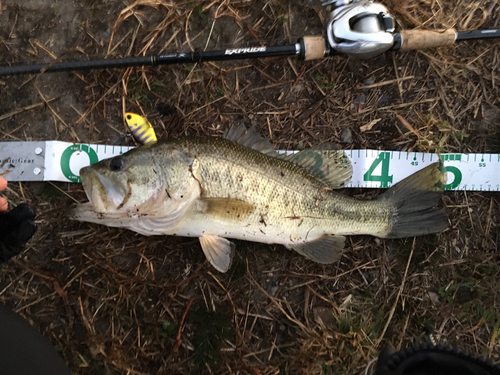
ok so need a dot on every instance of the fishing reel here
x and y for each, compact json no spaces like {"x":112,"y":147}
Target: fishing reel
{"x":359,"y":28}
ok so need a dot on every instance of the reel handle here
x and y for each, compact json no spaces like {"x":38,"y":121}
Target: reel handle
{"x":419,"y":39}
{"x":313,"y":48}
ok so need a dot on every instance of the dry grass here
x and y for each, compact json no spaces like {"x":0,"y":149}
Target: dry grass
{"x":115,"y":302}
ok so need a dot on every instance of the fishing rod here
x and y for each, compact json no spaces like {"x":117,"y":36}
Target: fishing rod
{"x":358,"y":28}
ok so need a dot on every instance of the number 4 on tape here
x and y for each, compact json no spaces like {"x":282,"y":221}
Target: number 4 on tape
{"x":383,"y":178}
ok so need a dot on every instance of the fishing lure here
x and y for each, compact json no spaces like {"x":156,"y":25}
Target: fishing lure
{"x":141,"y":129}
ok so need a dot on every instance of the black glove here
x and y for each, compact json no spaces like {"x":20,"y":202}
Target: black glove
{"x":16,"y":228}
{"x":427,"y":359}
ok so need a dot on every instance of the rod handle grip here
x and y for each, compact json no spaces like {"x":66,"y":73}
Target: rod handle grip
{"x":420,"y":39}
{"x":312,"y":47}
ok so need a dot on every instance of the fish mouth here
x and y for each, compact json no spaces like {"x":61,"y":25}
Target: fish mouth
{"x":103,"y":193}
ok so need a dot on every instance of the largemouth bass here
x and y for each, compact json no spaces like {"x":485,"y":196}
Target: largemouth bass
{"x":238,"y":187}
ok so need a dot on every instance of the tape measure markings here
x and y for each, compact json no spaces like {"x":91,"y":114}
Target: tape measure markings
{"x":62,"y":161}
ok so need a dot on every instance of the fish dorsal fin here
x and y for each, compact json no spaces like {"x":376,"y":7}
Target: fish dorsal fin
{"x":249,"y":138}
{"x":327,"y":163}
{"x":332,"y":167}
{"x":219,"y":251}
{"x":227,"y":209}
{"x":326,"y":249}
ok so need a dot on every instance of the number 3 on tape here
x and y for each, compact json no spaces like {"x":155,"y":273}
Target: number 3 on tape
{"x":383,"y":178}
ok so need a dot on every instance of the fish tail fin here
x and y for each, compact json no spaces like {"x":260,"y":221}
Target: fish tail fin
{"x":414,"y":200}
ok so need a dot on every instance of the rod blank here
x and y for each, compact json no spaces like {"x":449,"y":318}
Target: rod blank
{"x":192,"y":57}
{"x":76,"y":65}
{"x":478,"y":34}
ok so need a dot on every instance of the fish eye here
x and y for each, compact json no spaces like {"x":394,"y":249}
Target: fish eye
{"x":116,"y":164}
{"x":129,"y":117}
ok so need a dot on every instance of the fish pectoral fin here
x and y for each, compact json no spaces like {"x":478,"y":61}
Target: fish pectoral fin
{"x":227,"y":209}
{"x":325,"y":250}
{"x":219,"y":251}
{"x":332,"y":167}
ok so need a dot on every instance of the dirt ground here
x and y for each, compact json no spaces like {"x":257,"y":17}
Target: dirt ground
{"x":114,"y":302}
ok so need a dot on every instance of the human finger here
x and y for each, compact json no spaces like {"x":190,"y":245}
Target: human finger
{"x":4,"y":205}
{"x":3,"y":183}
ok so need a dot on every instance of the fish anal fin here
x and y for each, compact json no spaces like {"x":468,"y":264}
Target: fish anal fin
{"x":219,"y":251}
{"x":249,"y":138}
{"x":332,"y":167}
{"x":326,"y":249}
{"x":227,"y":209}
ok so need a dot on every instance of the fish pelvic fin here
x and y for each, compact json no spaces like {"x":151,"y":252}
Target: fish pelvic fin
{"x":219,"y":251}
{"x":326,"y":250}
{"x":414,"y":201}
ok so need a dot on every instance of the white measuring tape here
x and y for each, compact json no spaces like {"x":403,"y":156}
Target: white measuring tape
{"x":62,"y":161}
